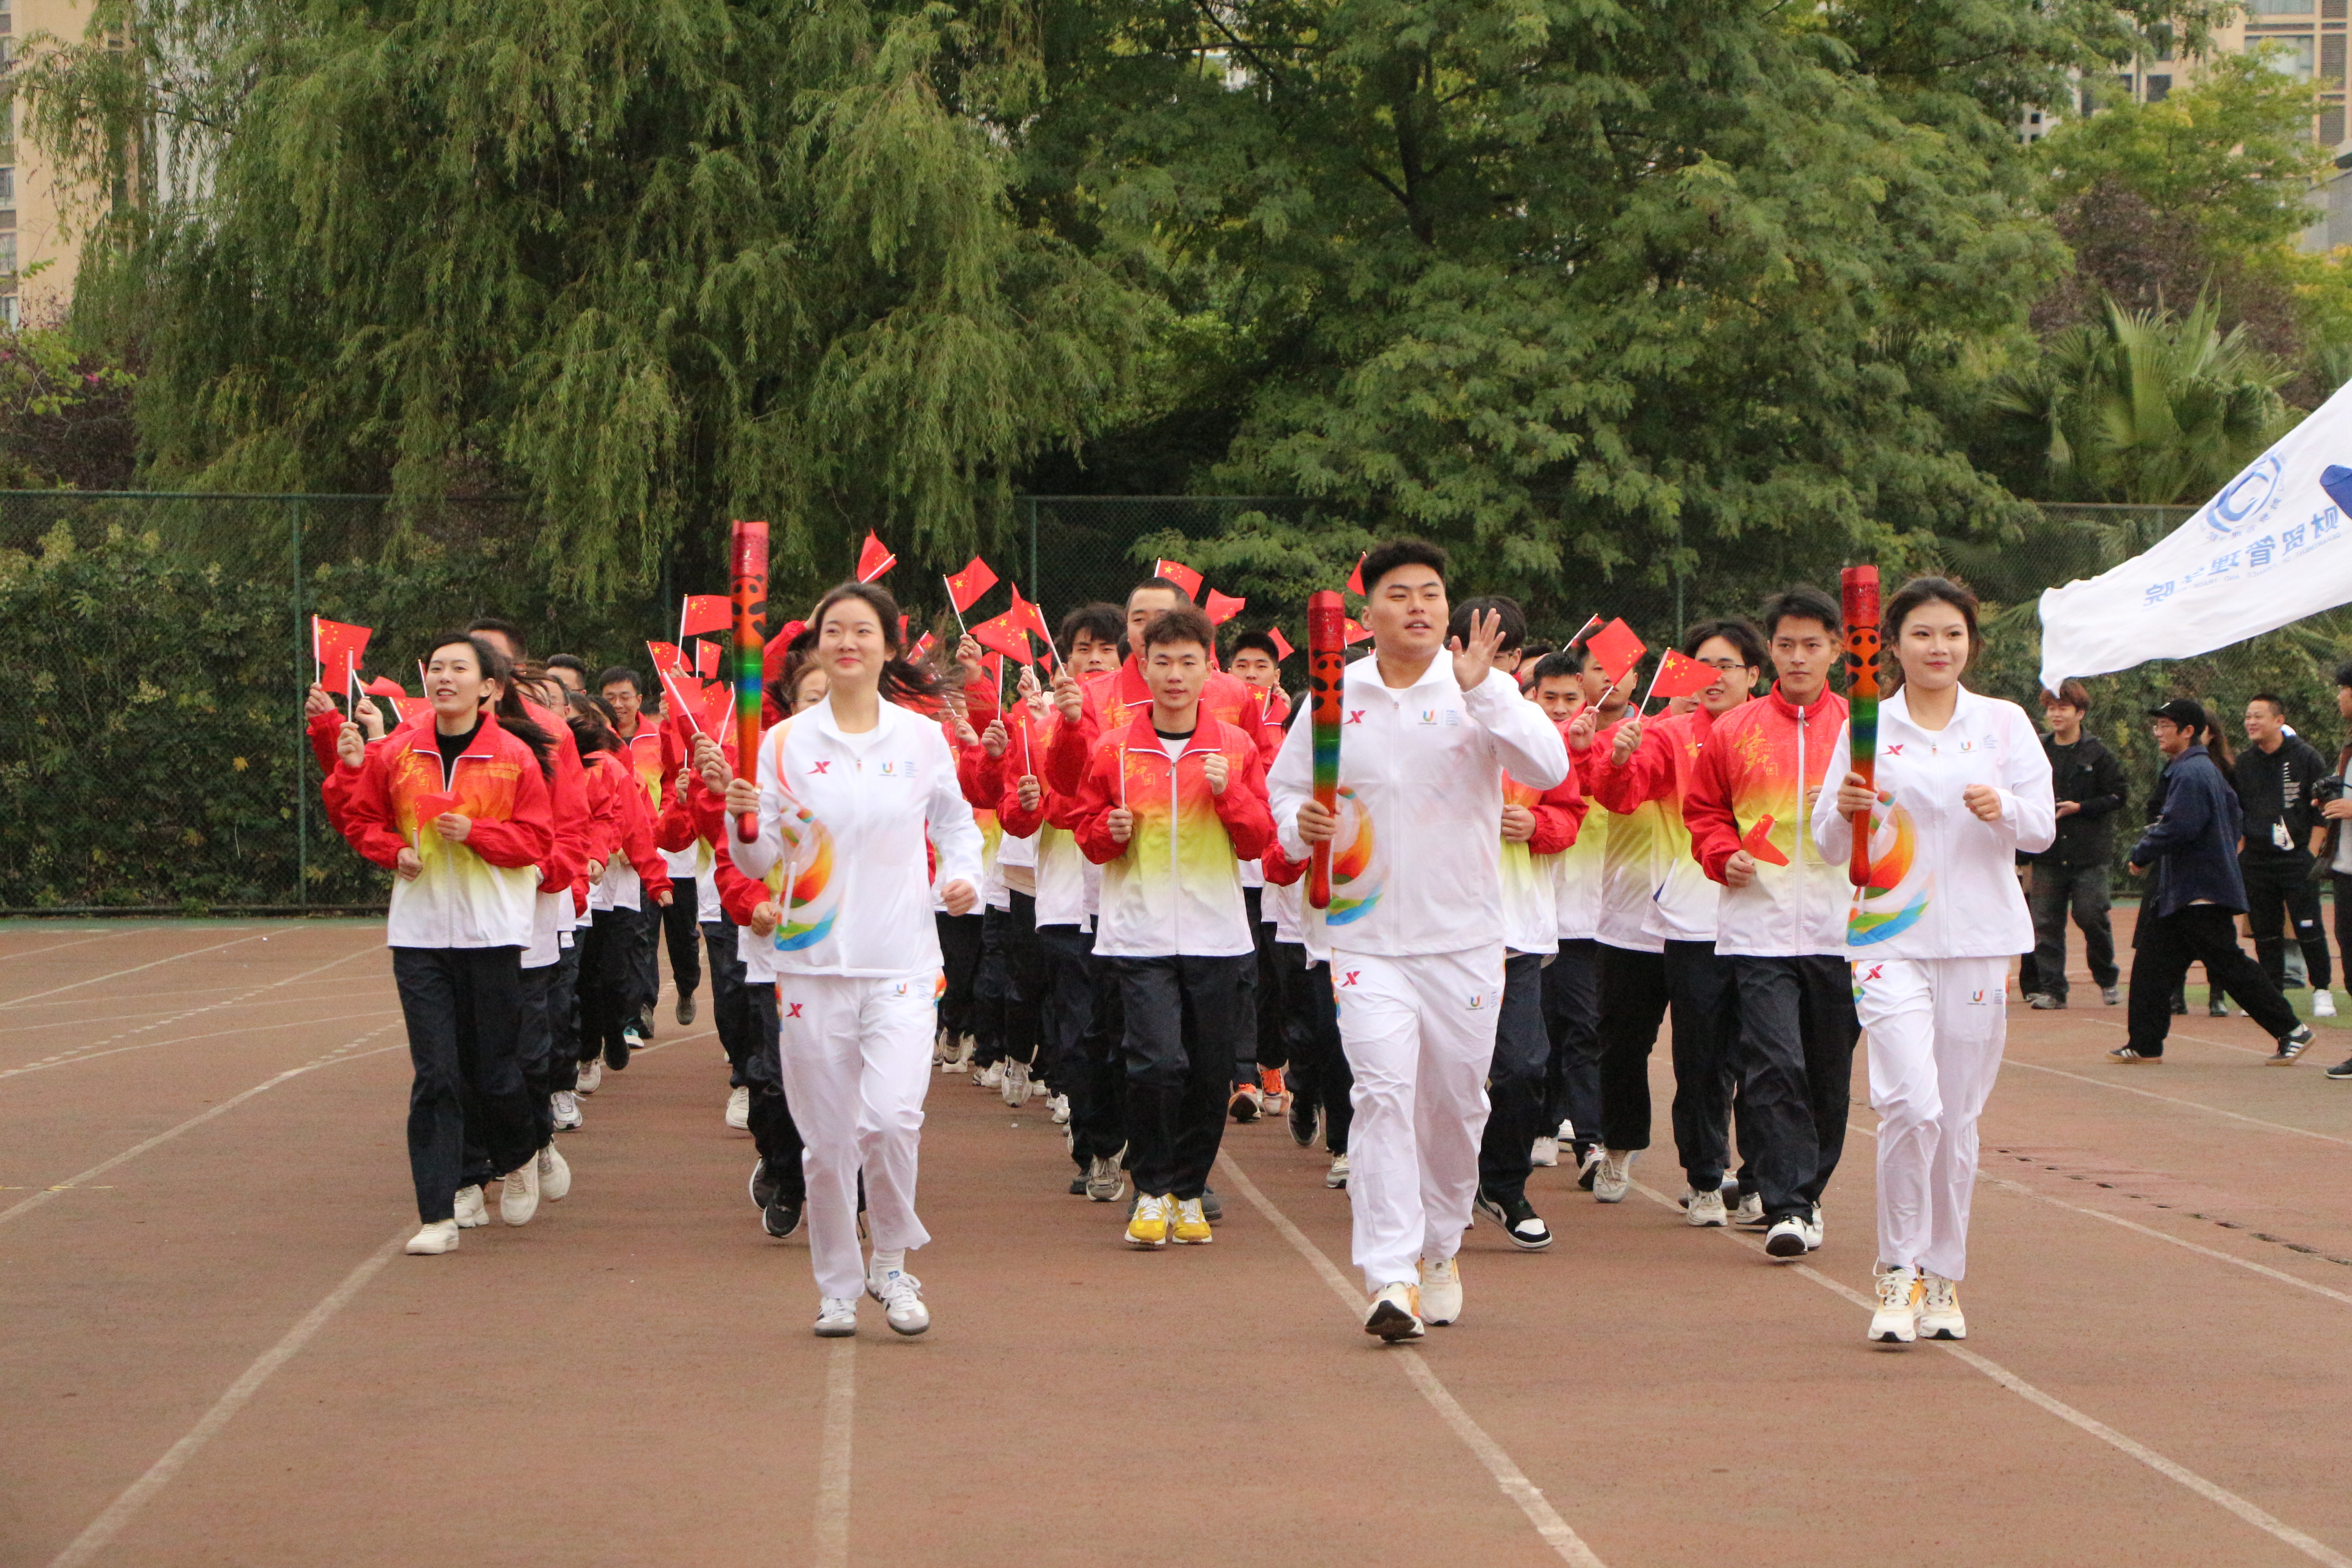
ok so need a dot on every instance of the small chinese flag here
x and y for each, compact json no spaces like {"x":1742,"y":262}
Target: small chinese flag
{"x":1617,"y":649}
{"x":706,"y":660}
{"x":1357,"y":631}
{"x":706,"y":613}
{"x":923,"y":646}
{"x":1758,"y":841}
{"x":1356,"y":578}
{"x":337,"y":647}
{"x":1223,"y":608}
{"x":874,"y":560}
{"x":1005,"y":636}
{"x":1026,"y":612}
{"x":407,"y":708}
{"x":674,"y":698}
{"x":1682,"y":675}
{"x":382,"y":686}
{"x":665,"y":654}
{"x":434,"y":805}
{"x":717,"y":708}
{"x":965,"y":587}
{"x":1183,"y":576}
{"x":1282,"y":649}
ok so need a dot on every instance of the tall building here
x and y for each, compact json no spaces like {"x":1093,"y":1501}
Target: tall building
{"x":40,"y":247}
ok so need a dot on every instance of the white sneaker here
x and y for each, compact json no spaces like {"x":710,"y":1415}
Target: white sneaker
{"x":1750,"y":1214}
{"x":566,"y":1106}
{"x":471,"y":1211}
{"x":1336,"y":1177}
{"x":990,"y":1077}
{"x":1704,"y":1208}
{"x":1566,"y":1132}
{"x":1395,"y":1314}
{"x":591,"y":1073}
{"x":1615,"y":1178}
{"x":1059,"y":1104}
{"x":958,"y":1056}
{"x":1015,"y":1082}
{"x":439,"y":1237}
{"x":1440,"y":1291}
{"x":1813,"y":1230}
{"x":901,"y":1295}
{"x":940,"y":1049}
{"x":554,"y":1176}
{"x":1785,"y":1240}
{"x":1106,"y":1182}
{"x":518,"y":1194}
{"x":2322,"y":1003}
{"x":1896,"y":1320}
{"x":1545,"y":1153}
{"x":739,"y":1108}
{"x":836,"y":1316}
{"x":1939,"y":1307}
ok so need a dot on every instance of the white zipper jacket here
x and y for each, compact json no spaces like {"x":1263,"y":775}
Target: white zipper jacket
{"x":1943,"y":883}
{"x":860,"y":806}
{"x":1417,"y":865}
{"x":1576,"y":879}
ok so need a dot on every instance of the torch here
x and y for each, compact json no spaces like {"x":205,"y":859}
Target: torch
{"x":750,"y":585}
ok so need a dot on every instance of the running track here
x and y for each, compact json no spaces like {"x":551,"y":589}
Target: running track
{"x":210,"y":1354}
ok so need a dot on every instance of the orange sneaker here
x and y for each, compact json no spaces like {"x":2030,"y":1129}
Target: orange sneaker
{"x":1269,"y":1084}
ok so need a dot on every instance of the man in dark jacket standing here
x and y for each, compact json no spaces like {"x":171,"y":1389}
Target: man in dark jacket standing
{"x":2275,"y":774}
{"x":2074,"y":870}
{"x":2188,"y":913}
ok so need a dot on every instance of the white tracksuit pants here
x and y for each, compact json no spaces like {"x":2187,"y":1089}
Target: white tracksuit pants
{"x":1936,"y":1028}
{"x":1420,"y":1036}
{"x":858,"y":1062}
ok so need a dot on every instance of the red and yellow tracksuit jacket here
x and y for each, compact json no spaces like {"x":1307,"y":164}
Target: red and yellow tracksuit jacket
{"x":1175,"y":886}
{"x":482,"y":892}
{"x":1760,"y":760}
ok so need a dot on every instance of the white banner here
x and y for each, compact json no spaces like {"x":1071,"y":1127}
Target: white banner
{"x":2268,"y":551}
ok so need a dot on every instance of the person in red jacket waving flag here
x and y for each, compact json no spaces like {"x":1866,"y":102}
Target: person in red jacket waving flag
{"x":1169,"y":805}
{"x":1781,"y":926}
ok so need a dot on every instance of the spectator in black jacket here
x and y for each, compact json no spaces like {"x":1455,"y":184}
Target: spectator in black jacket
{"x":2195,"y":893}
{"x":2074,"y":870}
{"x":2275,"y":774}
{"x":2334,"y":845}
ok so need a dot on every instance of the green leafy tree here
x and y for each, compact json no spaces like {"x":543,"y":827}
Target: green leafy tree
{"x":2146,"y":407}
{"x":655,"y":263}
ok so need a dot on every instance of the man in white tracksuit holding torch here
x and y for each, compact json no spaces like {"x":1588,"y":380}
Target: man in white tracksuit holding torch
{"x":1415,"y":924}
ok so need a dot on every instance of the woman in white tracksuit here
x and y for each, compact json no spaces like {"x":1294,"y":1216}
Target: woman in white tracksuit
{"x":853,"y":793}
{"x":1962,"y":785}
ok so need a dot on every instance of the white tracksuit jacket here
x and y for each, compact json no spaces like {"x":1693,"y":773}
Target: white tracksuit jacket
{"x":1944,"y":884}
{"x":859,"y":898}
{"x":1417,"y":867}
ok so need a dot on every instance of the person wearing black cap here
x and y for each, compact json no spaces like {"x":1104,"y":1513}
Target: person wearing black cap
{"x":2195,"y":892}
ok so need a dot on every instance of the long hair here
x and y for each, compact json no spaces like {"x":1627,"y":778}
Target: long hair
{"x":591,"y":722}
{"x":513,"y":717}
{"x":904,"y":683}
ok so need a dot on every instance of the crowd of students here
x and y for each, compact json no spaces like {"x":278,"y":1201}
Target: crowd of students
{"x":1092,"y":889}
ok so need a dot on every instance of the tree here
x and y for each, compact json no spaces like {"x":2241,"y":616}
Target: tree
{"x":656,"y":264}
{"x":2147,"y":408}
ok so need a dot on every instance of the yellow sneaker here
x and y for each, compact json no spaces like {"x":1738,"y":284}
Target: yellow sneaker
{"x":1192,"y":1227}
{"x":1148,"y":1225}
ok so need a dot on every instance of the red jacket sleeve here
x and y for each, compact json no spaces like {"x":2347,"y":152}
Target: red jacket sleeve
{"x":1647,"y":776}
{"x":1706,"y":811}
{"x":1279,"y":870}
{"x":324,"y":730}
{"x":676,"y":828}
{"x":527,"y":837}
{"x":1098,"y":796}
{"x":1071,"y":752}
{"x":1559,"y":817}
{"x":979,"y":775}
{"x":737,"y":895}
{"x":1016,"y":821}
{"x":637,"y":839}
{"x":1243,"y":808}
{"x":367,"y":816}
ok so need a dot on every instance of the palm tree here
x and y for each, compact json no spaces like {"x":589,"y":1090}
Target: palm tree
{"x":2148,"y":408}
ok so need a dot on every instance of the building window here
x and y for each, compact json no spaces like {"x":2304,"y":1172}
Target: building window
{"x":2163,"y":36}
{"x":2034,"y":117}
{"x":2159,"y":88}
{"x":2331,"y":58}
{"x":2288,"y":53}
{"x":8,"y":310}
{"x":2125,"y":82}
{"x":8,"y":186}
{"x":2280,"y":8}
{"x":2331,"y":125}
{"x":8,"y":254}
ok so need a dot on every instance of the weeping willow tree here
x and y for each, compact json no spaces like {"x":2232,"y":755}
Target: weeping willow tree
{"x":656,"y":262}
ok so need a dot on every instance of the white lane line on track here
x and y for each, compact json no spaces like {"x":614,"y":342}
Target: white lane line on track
{"x":190,"y":1040}
{"x":120,"y":1512}
{"x":78,"y":1053}
{"x":833,"y":1455}
{"x":57,"y":946}
{"x":177,"y":995}
{"x":134,"y":969}
{"x":2248,"y":1264}
{"x":342,"y":1052}
{"x":2192,"y":1104}
{"x":2213,"y":1492}
{"x":1508,"y":1478}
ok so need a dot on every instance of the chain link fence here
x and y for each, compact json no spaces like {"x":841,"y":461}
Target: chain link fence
{"x":159,"y":646}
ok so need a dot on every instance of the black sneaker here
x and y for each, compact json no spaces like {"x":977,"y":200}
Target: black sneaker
{"x":2291,"y":1047}
{"x":1587,"y":1165}
{"x":2216,"y":1008}
{"x":1522,"y":1227}
{"x":645,"y":1021}
{"x":2180,"y":1007}
{"x":763,"y":1186}
{"x":685,"y":1008}
{"x":1079,"y":1188}
{"x":1302,"y":1120}
{"x":2341,"y":1070}
{"x":783,"y":1215}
